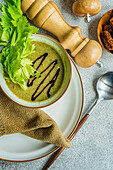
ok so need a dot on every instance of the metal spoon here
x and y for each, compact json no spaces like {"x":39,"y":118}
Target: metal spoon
{"x":104,"y":89}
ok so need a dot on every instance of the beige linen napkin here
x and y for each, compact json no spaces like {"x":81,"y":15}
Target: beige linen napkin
{"x":32,"y":122}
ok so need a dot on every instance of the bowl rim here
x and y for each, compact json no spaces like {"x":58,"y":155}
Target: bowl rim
{"x":98,"y":32}
{"x":46,"y":105}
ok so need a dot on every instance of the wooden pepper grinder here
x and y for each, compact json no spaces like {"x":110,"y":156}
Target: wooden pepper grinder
{"x":46,"y":14}
{"x":86,"y":8}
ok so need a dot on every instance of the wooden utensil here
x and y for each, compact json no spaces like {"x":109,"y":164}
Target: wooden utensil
{"x":59,"y":151}
{"x":46,"y":14}
{"x":86,"y":8}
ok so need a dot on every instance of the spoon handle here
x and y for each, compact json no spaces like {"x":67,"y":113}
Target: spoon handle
{"x":60,"y":150}
{"x":92,"y":107}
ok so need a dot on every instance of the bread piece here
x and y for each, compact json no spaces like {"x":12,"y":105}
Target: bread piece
{"x":107,"y":40}
{"x":107,"y":28}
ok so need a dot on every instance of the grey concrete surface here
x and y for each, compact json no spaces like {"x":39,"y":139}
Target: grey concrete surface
{"x":92,"y":148}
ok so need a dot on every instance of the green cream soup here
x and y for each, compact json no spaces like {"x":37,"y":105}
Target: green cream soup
{"x":49,"y":64}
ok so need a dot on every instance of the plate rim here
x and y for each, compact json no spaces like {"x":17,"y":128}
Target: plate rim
{"x":54,"y":150}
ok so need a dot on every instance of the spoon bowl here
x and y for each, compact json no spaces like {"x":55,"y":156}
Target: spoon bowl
{"x":105,"y":86}
{"x":104,"y":89}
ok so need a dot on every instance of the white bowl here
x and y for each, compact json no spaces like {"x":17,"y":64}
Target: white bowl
{"x":67,"y":75}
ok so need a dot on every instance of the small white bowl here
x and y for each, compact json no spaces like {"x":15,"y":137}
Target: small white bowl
{"x":67,"y":75}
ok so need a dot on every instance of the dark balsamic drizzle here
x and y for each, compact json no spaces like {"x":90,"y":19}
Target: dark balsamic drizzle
{"x":43,"y":58}
{"x":52,"y":81}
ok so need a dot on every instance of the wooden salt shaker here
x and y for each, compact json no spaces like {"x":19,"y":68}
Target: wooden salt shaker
{"x":86,"y":8}
{"x":46,"y":14}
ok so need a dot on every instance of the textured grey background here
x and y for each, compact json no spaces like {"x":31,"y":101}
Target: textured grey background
{"x":92,"y":148}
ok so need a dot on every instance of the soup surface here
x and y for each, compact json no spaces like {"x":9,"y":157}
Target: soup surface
{"x":49,"y":64}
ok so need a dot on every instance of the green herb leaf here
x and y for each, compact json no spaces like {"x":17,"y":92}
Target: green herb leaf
{"x":15,"y":36}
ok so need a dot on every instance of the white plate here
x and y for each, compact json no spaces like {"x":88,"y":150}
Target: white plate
{"x":66,"y":112}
